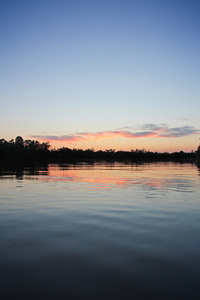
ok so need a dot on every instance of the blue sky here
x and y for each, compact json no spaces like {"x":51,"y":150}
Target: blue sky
{"x":90,"y":67}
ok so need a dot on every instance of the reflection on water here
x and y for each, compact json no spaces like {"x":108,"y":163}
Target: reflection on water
{"x":100,"y":231}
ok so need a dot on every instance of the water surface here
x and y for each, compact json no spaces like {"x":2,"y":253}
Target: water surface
{"x":100,"y":231}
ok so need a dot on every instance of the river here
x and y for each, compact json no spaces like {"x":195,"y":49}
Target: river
{"x":100,"y":231}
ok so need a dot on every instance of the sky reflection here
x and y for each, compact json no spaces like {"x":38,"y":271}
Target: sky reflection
{"x":111,"y":175}
{"x":77,"y":231}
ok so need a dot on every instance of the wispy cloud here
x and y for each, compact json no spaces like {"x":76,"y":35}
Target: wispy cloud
{"x":142,"y":131}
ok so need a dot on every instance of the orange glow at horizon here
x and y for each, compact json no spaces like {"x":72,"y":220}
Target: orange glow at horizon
{"x":150,"y":137}
{"x":186,"y":144}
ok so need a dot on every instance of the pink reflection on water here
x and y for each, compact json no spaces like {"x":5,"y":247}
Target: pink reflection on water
{"x":156,"y":176}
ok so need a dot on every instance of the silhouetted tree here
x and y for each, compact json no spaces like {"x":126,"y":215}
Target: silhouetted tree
{"x":198,"y":153}
{"x":19,"y":140}
{"x":20,"y":150}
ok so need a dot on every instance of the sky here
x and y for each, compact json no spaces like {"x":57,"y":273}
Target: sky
{"x":114,"y":74}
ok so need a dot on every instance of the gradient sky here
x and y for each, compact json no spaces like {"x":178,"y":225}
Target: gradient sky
{"x":101,"y":74}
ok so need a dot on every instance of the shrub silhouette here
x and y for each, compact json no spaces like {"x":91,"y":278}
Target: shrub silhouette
{"x":29,"y":150}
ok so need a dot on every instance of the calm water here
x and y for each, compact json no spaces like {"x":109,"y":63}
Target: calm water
{"x":101,"y":231}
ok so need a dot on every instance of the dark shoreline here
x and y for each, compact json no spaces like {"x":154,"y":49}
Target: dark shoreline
{"x":30,"y":151}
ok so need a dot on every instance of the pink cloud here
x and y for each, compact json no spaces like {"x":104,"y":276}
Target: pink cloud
{"x":147,"y":131}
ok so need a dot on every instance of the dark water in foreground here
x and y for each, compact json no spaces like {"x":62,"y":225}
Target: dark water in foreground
{"x":102,"y":231}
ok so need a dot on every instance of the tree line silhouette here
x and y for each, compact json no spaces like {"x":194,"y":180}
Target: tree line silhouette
{"x":29,"y":150}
